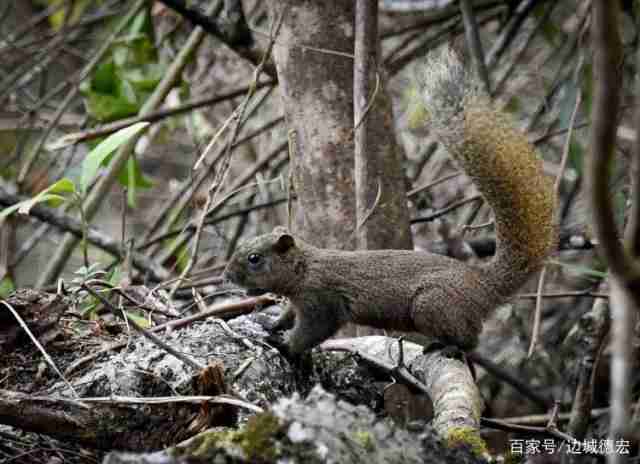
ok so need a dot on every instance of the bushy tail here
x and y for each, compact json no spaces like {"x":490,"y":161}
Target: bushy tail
{"x":500,"y":161}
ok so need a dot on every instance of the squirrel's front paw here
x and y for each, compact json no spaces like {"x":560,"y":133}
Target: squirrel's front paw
{"x":277,"y":341}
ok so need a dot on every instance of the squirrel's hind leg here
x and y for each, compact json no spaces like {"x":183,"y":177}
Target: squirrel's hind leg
{"x":441,"y":314}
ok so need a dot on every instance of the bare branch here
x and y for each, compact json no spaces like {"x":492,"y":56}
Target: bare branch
{"x":474,"y":43}
{"x":624,"y":298}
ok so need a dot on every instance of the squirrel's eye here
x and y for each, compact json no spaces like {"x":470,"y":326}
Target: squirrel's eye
{"x":254,"y":258}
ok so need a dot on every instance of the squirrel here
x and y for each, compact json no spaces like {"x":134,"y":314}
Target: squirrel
{"x":437,"y":296}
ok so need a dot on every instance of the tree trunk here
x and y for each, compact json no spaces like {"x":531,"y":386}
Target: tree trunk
{"x":382,"y":212}
{"x":314,"y":59}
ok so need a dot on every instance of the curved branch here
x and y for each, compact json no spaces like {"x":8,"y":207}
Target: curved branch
{"x":448,"y":382}
{"x":605,"y":113}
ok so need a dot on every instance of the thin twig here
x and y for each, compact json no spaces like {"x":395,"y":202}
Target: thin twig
{"x":154,"y":116}
{"x":576,"y":294}
{"x":217,"y":184}
{"x":624,"y":269}
{"x":224,"y":310}
{"x":447,"y":210}
{"x":40,"y":347}
{"x":146,"y":333}
{"x":173,"y":208}
{"x":474,"y":43}
{"x":535,"y":331}
{"x":413,"y":192}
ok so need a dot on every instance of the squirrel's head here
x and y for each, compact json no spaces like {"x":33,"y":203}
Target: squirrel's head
{"x":271,"y":262}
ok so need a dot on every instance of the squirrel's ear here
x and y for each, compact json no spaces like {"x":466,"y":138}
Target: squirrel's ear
{"x":284,"y":242}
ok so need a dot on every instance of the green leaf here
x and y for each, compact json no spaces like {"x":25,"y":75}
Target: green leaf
{"x":105,"y":79}
{"x":133,"y":179}
{"x":58,"y":18}
{"x":142,"y":24}
{"x":145,"y":77}
{"x":10,"y":210}
{"x":6,"y":286}
{"x":551,"y":33}
{"x":131,"y":182}
{"x":576,"y":156}
{"x":94,"y":159}
{"x":49,"y":195}
{"x":141,"y":321}
{"x":514,"y":105}
{"x":50,"y":198}
{"x":88,"y":308}
{"x":107,"y":108}
{"x":62,"y":186}
{"x":115,"y":275}
{"x":182,"y":255}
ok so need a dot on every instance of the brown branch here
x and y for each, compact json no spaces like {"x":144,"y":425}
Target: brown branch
{"x":214,"y":220}
{"x":625,"y":291}
{"x":94,"y":236}
{"x":505,"y":376}
{"x":155,"y":116}
{"x":215,"y":189}
{"x":112,"y":423}
{"x":500,"y":424}
{"x":576,"y":294}
{"x":446,"y":210}
{"x":240,"y":46}
{"x":605,"y":114}
{"x":413,"y":192}
{"x":474,"y":43}
{"x":183,"y":196}
{"x":632,"y":232}
{"x":510,"y":32}
{"x":364,"y":69}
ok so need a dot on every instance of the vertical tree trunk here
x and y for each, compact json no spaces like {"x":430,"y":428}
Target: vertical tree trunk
{"x":314,"y":58}
{"x":381,"y":205}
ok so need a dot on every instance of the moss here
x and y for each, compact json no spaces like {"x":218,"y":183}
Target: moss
{"x":413,"y":106}
{"x":256,"y":440}
{"x":364,"y":439}
{"x":257,"y":437}
{"x":467,"y":436}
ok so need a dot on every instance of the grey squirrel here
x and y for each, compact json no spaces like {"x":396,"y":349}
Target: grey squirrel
{"x":437,"y":296}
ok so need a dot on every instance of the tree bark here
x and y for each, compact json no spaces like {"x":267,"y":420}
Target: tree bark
{"x":314,"y":59}
{"x":381,"y":207}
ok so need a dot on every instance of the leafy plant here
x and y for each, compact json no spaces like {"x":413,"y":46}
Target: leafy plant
{"x":65,"y":189}
{"x":54,"y":196}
